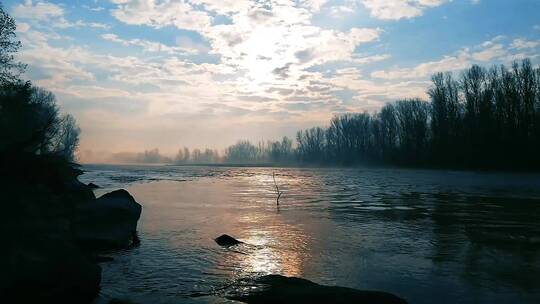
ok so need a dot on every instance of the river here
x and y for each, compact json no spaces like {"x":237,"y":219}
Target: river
{"x":428,"y":236}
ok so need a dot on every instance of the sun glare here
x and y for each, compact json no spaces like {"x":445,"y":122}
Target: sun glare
{"x":262,"y":54}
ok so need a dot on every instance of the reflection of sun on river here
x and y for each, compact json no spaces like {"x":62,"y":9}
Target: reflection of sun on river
{"x":278,"y":245}
{"x":269,"y":257}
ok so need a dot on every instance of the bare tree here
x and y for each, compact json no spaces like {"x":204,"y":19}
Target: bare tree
{"x":10,"y":70}
{"x":67,"y":139}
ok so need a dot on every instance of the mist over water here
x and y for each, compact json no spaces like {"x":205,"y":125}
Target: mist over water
{"x":458,"y":237}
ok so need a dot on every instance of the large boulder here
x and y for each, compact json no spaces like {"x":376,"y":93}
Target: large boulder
{"x":281,"y":289}
{"x":108,"y":222}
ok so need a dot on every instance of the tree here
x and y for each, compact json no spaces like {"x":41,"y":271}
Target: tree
{"x":412,"y":117}
{"x":67,"y":139}
{"x":187,"y":155}
{"x":311,"y":145}
{"x":241,"y":152}
{"x":30,"y":123}
{"x":10,"y":70}
{"x":179,"y":158}
{"x":280,"y":151}
{"x":388,"y":133}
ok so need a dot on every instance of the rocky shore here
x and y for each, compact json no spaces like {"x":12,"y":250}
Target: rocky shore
{"x":54,"y":229}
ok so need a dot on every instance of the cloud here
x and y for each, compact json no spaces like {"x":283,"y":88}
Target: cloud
{"x":448,"y":63}
{"x":489,"y":51}
{"x":22,"y":27}
{"x":261,"y":39}
{"x":399,"y":9}
{"x":166,"y":13}
{"x":340,"y":11}
{"x":42,"y":12}
{"x":522,"y":43}
{"x":261,"y":45}
{"x":369,"y":59}
{"x":94,"y":9}
{"x":81,"y":23}
{"x":150,"y":46}
{"x":224,"y":7}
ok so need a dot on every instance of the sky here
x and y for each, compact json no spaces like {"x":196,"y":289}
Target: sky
{"x":142,"y":74}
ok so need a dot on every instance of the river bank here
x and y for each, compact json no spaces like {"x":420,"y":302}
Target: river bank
{"x":55,"y":229}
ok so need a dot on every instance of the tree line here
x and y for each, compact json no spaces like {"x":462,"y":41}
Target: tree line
{"x":482,"y":118}
{"x":242,"y":152}
{"x":479,"y":119}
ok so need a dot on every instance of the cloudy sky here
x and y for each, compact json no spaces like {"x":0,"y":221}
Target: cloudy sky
{"x":139,"y":74}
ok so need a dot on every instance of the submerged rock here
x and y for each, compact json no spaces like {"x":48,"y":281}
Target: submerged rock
{"x":108,"y":222}
{"x":281,"y":289}
{"x":227,"y":240}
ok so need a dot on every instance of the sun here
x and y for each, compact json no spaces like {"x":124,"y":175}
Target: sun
{"x":262,"y":53}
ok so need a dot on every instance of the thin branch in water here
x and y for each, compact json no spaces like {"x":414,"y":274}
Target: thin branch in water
{"x":279,"y":193}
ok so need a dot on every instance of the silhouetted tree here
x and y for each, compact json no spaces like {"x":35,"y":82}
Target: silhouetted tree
{"x":280,"y":151}
{"x":67,"y":140}
{"x":388,"y":134}
{"x":412,"y":118}
{"x":311,"y":145}
{"x":241,"y":152}
{"x":187,"y":155}
{"x":10,"y":70}
{"x":179,"y":158}
{"x":30,"y":123}
{"x":445,"y":117}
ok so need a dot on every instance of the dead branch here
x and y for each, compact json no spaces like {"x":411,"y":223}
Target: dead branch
{"x":279,"y":193}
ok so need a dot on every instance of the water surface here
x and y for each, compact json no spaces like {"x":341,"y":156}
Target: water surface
{"x":427,"y":236}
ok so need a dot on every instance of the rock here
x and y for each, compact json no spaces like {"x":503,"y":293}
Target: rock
{"x":48,"y":214}
{"x":47,"y":270}
{"x":77,"y":189}
{"x":108,"y":222}
{"x":102,"y":259}
{"x":281,"y":289}
{"x":227,"y":240}
{"x":93,"y":186}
